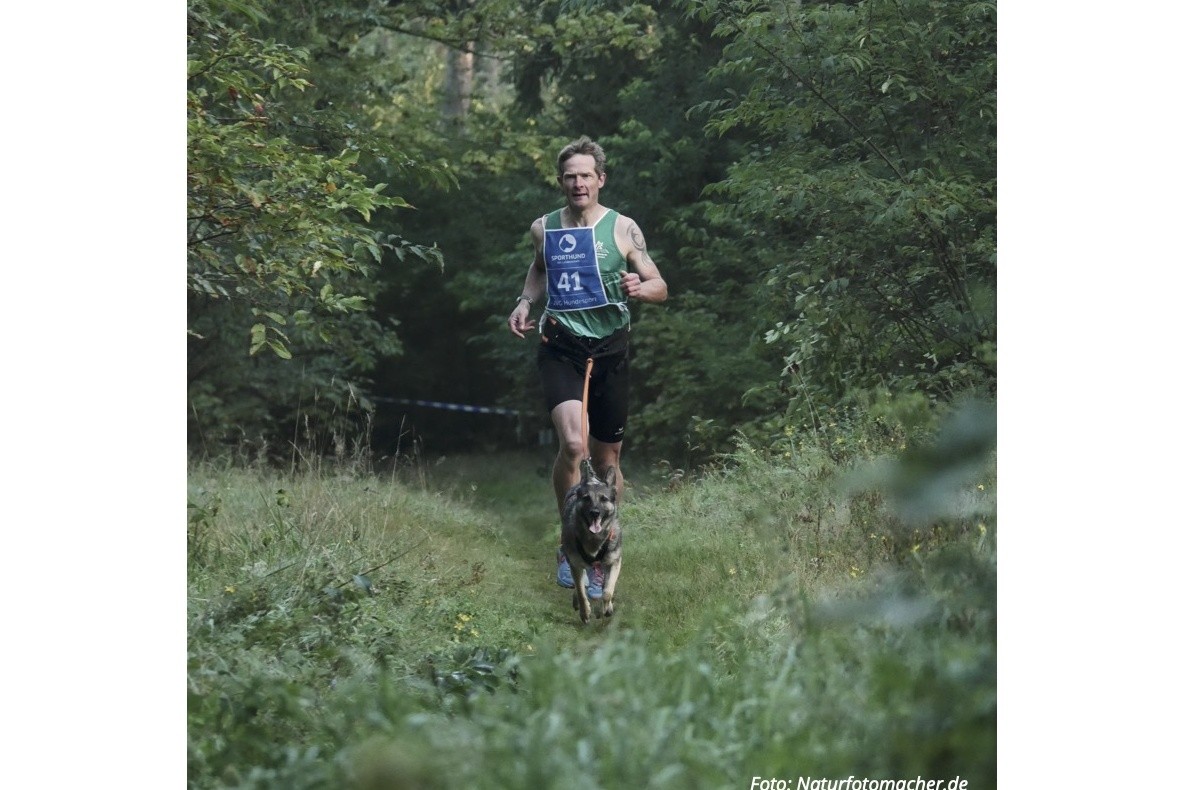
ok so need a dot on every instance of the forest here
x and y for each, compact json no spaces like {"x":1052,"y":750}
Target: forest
{"x":809,"y":525}
{"x":816,"y":181}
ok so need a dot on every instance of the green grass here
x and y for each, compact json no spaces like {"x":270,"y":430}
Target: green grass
{"x":351,"y":629}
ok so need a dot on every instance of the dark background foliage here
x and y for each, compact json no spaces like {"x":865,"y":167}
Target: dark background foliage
{"x":816,"y":182}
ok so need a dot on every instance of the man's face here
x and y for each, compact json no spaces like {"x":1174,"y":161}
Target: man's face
{"x":580,"y":182}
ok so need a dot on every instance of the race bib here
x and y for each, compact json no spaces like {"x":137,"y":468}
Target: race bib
{"x":573,"y":276}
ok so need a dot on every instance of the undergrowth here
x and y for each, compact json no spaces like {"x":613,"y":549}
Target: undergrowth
{"x":777,"y":617}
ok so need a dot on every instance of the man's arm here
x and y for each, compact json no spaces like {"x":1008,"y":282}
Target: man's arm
{"x":644,"y":282}
{"x":534,"y":287}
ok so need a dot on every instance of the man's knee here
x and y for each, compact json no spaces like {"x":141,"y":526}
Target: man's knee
{"x":572,"y":448}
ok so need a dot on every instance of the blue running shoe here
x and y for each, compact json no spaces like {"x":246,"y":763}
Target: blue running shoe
{"x":563,"y":576}
{"x":563,"y":572}
{"x":596,"y":581}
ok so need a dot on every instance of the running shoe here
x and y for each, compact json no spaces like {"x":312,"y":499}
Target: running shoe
{"x":596,"y":581}
{"x":563,"y":572}
{"x":563,"y":576}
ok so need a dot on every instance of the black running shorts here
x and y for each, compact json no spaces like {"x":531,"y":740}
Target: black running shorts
{"x":562,"y":359}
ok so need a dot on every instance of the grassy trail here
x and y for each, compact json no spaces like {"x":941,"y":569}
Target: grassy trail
{"x":691,"y":556}
{"x":512,"y":494}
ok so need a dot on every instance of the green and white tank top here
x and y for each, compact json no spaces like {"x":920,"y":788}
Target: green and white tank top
{"x":584,"y":268}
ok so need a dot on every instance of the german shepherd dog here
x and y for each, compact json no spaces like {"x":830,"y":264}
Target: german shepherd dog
{"x":592,"y":534}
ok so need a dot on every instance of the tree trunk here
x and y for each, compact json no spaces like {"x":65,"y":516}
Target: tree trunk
{"x":458,"y":85}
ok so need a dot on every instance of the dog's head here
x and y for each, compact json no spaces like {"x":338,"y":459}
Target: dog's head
{"x":596,"y":499}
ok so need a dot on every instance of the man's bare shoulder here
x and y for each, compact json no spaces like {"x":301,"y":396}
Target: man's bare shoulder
{"x":628,"y":233}
{"x":623,"y":223}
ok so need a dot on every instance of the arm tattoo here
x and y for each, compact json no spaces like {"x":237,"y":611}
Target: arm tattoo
{"x":636,"y":237}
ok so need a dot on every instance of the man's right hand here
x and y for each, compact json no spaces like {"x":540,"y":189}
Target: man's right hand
{"x":519,"y":321}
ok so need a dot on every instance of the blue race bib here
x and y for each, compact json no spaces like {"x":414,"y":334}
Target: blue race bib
{"x":573,"y":276}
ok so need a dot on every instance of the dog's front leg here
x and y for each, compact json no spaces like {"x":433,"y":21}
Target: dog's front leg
{"x":580,"y":596}
{"x":610,"y":584}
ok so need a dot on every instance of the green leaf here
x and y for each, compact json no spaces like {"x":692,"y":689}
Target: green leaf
{"x":280,"y":349}
{"x":258,"y":337}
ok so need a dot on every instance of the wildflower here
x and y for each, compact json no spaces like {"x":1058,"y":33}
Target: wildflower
{"x":732,"y":571}
{"x":980,"y":486}
{"x":230,"y":589}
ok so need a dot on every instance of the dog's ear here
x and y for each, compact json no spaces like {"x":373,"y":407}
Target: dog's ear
{"x":611,"y":480}
{"x":586,"y":471}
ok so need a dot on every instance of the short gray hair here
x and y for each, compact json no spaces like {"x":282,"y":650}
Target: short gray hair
{"x":582,"y":146}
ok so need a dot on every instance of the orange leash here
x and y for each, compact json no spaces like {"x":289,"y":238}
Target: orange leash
{"x":584,"y":409}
